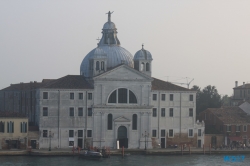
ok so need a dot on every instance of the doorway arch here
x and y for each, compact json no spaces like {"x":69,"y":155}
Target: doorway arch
{"x":122,"y":136}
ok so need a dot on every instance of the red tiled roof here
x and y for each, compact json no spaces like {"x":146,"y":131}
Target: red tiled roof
{"x":69,"y":82}
{"x":163,"y":85}
{"x":230,"y":115}
{"x":23,"y":86}
{"x":66,"y":82}
{"x":11,"y":114}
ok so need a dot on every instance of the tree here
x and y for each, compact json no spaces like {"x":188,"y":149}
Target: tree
{"x":225,"y":100}
{"x":207,"y":98}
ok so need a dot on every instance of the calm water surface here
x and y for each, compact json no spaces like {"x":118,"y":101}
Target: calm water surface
{"x":207,"y":160}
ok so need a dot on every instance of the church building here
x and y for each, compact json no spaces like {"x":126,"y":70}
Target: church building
{"x":114,"y":101}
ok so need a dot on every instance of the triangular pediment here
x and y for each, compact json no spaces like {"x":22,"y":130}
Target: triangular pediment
{"x":121,"y":119}
{"x":123,"y":72}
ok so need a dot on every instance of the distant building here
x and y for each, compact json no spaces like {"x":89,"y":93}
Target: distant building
{"x":114,"y":100}
{"x":245,"y":107}
{"x":241,"y":94}
{"x":232,"y":122}
{"x":13,"y":130}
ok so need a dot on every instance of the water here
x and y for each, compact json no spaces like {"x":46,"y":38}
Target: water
{"x":132,"y":160}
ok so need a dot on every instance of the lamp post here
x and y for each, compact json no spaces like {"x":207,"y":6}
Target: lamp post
{"x":145,"y":136}
{"x":49,"y":140}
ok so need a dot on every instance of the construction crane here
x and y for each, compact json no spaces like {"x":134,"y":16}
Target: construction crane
{"x":182,"y":83}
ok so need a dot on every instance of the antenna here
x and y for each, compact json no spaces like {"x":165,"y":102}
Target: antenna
{"x":182,"y":83}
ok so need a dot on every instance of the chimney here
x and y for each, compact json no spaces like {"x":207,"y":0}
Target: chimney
{"x":243,"y":84}
{"x":236,"y":83}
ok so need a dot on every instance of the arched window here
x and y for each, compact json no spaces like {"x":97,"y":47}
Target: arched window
{"x":112,"y":97}
{"x":134,"y":122}
{"x":123,"y":96}
{"x":142,"y":66}
{"x":110,"y":121}
{"x":97,"y":65}
{"x":147,"y":67}
{"x":132,"y":98}
{"x":102,"y":65}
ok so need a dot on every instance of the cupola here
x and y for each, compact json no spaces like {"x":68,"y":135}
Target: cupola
{"x":142,"y":61}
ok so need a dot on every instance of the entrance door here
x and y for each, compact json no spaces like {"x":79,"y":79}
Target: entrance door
{"x":199,"y":143}
{"x":162,"y":142}
{"x":213,"y":141}
{"x":79,"y":142}
{"x":14,"y":144}
{"x":122,"y":137}
{"x":33,"y":144}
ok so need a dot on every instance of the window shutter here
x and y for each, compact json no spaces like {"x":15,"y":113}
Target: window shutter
{"x":12,"y":127}
{"x":25,"y":129}
{"x":21,"y":127}
{"x":8,"y":127}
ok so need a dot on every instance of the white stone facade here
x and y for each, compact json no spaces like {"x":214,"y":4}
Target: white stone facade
{"x":59,"y":121}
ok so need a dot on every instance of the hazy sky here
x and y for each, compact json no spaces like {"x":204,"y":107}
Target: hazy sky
{"x":205,"y":40}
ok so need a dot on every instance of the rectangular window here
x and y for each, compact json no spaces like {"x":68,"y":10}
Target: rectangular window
{"x":190,"y":133}
{"x":228,"y":128}
{"x":191,"y":97}
{"x":171,"y":112}
{"x":23,"y":127}
{"x":244,"y":128}
{"x":80,"y":133}
{"x":89,"y":96}
{"x":171,"y":133}
{"x":71,"y":133}
{"x":163,"y":112}
{"x":2,"y":127}
{"x":89,"y":133}
{"x":45,"y":111}
{"x":71,"y":111}
{"x":80,"y":111}
{"x":45,"y":95}
{"x":199,"y":132}
{"x":72,"y":96}
{"x":80,"y":96}
{"x":71,"y":143}
{"x":10,"y":127}
{"x":191,"y":112}
{"x":163,"y":97}
{"x":154,"y":96}
{"x":237,"y":128}
{"x":154,"y":112}
{"x":45,"y":133}
{"x":163,"y":133}
{"x":171,"y":97}
{"x":153,"y":133}
{"x":89,"y":111}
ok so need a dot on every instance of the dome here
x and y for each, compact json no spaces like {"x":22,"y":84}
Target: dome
{"x":143,"y":55}
{"x":109,"y":25}
{"x":109,"y":46}
{"x":98,"y":53}
{"x":115,"y":56}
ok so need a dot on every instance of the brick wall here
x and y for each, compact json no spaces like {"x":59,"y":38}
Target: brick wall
{"x":184,"y":139}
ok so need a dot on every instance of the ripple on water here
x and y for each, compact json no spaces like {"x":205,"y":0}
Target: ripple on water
{"x":132,"y":160}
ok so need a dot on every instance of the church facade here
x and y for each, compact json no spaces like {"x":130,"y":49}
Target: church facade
{"x":113,"y":102}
